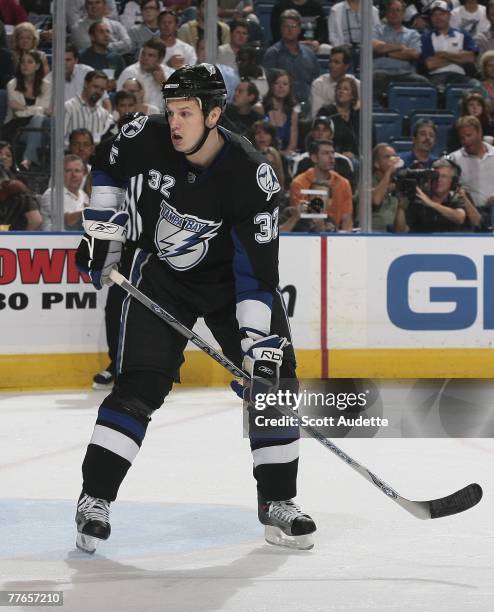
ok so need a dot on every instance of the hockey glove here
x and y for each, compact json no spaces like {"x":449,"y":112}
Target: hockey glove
{"x":101,"y":246}
{"x":262,"y":361}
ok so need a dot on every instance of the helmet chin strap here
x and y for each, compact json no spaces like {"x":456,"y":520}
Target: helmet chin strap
{"x":199,"y":144}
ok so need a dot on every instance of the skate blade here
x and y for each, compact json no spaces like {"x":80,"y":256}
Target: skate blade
{"x":86,"y":543}
{"x":275,"y":536}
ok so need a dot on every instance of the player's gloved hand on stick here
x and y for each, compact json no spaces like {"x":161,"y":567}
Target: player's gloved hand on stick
{"x":262,"y":361}
{"x":101,"y":246}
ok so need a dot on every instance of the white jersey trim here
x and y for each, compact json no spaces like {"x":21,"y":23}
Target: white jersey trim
{"x":114,"y":441}
{"x":107,"y":197}
{"x":282,"y":453}
{"x":254,"y":314}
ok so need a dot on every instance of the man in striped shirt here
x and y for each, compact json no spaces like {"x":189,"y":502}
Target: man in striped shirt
{"x":84,"y":111}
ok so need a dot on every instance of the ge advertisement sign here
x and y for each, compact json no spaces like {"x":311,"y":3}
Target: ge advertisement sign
{"x":440,"y":292}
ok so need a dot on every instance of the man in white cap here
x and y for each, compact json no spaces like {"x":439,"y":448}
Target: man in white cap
{"x":447,"y":51}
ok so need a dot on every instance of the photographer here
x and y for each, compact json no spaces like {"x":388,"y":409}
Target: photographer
{"x":438,"y":207}
{"x":387,"y":204}
{"x":339,"y":205}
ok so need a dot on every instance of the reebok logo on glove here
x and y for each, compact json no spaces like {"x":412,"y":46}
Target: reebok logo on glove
{"x":106,"y":228}
{"x":271,"y":355}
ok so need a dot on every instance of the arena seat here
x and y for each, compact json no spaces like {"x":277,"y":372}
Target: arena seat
{"x":409,"y":98}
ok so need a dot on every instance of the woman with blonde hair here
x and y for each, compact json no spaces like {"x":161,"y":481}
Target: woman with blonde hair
{"x":486,"y":65}
{"x":25,"y":37}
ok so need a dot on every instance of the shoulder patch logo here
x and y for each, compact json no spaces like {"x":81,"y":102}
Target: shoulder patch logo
{"x":210,"y":68}
{"x":267,"y":180}
{"x":183,"y":240}
{"x":129,"y":130}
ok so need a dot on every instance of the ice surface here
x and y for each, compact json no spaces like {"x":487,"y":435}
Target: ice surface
{"x":185,"y":535}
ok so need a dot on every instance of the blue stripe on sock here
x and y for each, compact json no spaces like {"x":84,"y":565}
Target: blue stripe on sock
{"x":123,"y":420}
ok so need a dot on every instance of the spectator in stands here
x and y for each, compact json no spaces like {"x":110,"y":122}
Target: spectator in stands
{"x":29,"y":99}
{"x":178,"y":52}
{"x":125,"y":102}
{"x":282,"y":110}
{"x":298,"y":60}
{"x":230,"y":76}
{"x":322,"y":89}
{"x":19,"y":208}
{"x":339,"y":206}
{"x":263,"y":135}
{"x":6,"y":59}
{"x":345,"y":114}
{"x":323,"y":129}
{"x":248,"y":68}
{"x":424,"y":141}
{"x":99,"y":56}
{"x":240,"y":114}
{"x":25,"y":37}
{"x":147,"y":27}
{"x":274,"y":157}
{"x":12,"y":12}
{"x":81,"y":143}
{"x":471,"y":18}
{"x":344,"y":24}
{"x":84,"y":111}
{"x":396,"y":50}
{"x":476,"y":160}
{"x":314,"y":31}
{"x":138,"y":12}
{"x":239,"y":35}
{"x":191,"y":31}
{"x":441,"y":209}
{"x":387,"y":205}
{"x":96,"y":11}
{"x":229,"y":10}
{"x":134,"y":86}
{"x":76,"y":10}
{"x":487,"y":75}
{"x":8,"y":163}
{"x":150,"y":70}
{"x":474,"y":104}
{"x":75,"y":199}
{"x":446,"y":52}
{"x":485,"y":40}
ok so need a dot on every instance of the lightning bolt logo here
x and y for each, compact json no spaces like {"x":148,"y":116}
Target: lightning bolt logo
{"x":183,"y":240}
{"x":267,"y":180}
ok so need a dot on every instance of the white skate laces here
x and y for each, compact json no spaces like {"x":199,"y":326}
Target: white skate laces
{"x":285,"y":511}
{"x":93,"y":522}
{"x":94,"y":509}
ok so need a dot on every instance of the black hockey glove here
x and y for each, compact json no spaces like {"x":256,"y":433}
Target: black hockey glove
{"x":262,"y":361}
{"x":101,"y":246}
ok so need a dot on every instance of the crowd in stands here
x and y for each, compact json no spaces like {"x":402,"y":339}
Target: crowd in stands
{"x":293,"y":82}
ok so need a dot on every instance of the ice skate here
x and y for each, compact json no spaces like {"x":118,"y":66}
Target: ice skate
{"x":103,"y":380}
{"x":92,"y":519}
{"x":286,"y":524}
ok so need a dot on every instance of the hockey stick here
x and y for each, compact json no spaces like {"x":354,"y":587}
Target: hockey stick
{"x":435,"y":508}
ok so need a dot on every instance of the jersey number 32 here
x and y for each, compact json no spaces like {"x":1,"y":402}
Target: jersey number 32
{"x":268,"y":226}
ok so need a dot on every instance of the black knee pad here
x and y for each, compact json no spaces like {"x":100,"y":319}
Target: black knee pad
{"x":139,"y":393}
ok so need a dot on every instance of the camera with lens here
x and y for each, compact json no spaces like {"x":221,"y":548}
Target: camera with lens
{"x":316,"y":205}
{"x":407,"y":180}
{"x":316,"y":202}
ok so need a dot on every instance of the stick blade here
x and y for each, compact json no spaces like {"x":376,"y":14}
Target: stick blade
{"x":456,"y":502}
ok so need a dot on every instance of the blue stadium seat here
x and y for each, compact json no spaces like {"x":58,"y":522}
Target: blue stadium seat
{"x":409,"y":98}
{"x":401,"y":145}
{"x":443,"y":121}
{"x":3,"y":105}
{"x":453,"y":96}
{"x":386,"y":125}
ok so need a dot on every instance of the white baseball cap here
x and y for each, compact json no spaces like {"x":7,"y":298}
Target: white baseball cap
{"x":442,"y":5}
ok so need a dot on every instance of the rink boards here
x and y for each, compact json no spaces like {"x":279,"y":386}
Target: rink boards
{"x":359,"y":306}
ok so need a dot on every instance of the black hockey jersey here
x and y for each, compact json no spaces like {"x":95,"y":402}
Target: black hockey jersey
{"x":205,"y":225}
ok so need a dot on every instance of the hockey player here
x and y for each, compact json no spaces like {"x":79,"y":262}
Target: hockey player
{"x":208,"y":248}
